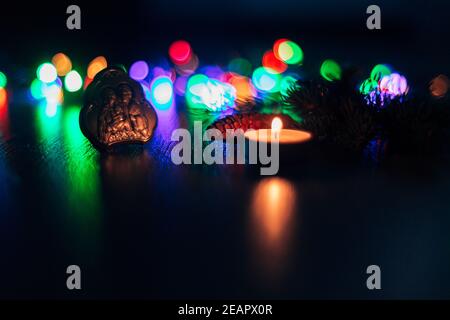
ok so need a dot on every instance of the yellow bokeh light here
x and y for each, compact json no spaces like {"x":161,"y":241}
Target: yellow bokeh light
{"x":285,"y":51}
{"x":3,"y":97}
{"x":96,"y":65}
{"x":62,"y":64}
{"x":245,"y":92}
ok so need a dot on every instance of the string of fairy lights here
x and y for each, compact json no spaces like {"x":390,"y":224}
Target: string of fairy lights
{"x":211,"y":88}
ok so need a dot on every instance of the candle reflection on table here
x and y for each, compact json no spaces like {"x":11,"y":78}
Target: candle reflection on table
{"x":273,"y":220}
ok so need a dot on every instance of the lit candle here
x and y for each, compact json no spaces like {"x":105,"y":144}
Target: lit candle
{"x":278,"y":134}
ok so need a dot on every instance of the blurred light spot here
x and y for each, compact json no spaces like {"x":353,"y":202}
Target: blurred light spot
{"x":87,"y":82}
{"x":212,"y":72}
{"x":139,"y":70}
{"x":62,"y":64}
{"x":394,"y":84}
{"x":59,"y":82}
{"x":161,"y":93}
{"x":3,"y":97}
{"x":46,"y":72}
{"x":37,"y":89}
{"x":189,"y":67}
{"x":147,"y":92}
{"x":3,"y":80}
{"x":439,"y":86}
{"x":245,"y":91}
{"x":288,"y":51}
{"x":53,"y":93}
{"x":73,"y":81}
{"x":96,"y":65}
{"x":368,"y":86}
{"x":266,"y":81}
{"x":209,"y":94}
{"x":379,"y":71}
{"x":51,"y":109}
{"x":180,"y":52}
{"x":272,"y":63}
{"x":180,"y":85}
{"x":241,"y":66}
{"x":331,"y":70}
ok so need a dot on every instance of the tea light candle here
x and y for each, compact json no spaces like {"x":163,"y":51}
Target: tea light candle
{"x":278,"y":134}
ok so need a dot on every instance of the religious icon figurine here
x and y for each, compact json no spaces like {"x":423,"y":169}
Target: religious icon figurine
{"x":115,"y":111}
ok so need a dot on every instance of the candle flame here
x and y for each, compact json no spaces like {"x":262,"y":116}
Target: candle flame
{"x":277,"y":124}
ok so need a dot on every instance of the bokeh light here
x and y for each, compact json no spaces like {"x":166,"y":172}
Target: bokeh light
{"x":368,"y":86}
{"x":212,"y":72}
{"x":73,"y":81}
{"x":96,"y":65}
{"x":46,"y":72}
{"x":87,"y":82}
{"x":272,"y":63}
{"x":288,"y":51}
{"x":139,"y":70}
{"x":209,"y":94}
{"x":3,"y":80}
{"x":3,"y":97}
{"x":161,"y":93}
{"x":240,"y":66}
{"x":180,"y":52}
{"x":37,"y":89}
{"x":62,"y":64}
{"x":264,"y":80}
{"x":331,"y":70}
{"x":53,"y":93}
{"x":394,"y":84}
{"x":147,"y":92}
{"x":51,"y":109}
{"x":188,"y":68}
{"x":180,"y":85}
{"x":439,"y":86}
{"x":245,"y":91}
{"x":379,"y":71}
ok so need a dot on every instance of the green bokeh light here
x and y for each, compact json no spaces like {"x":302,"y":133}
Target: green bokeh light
{"x":368,"y":86}
{"x":265,"y":80}
{"x":3,"y":80}
{"x":194,"y":84}
{"x":240,"y":66}
{"x":379,"y":71}
{"x":290,"y":52}
{"x":37,"y":89}
{"x":331,"y":70}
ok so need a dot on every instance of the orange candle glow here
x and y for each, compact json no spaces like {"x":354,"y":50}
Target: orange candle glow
{"x":277,"y":133}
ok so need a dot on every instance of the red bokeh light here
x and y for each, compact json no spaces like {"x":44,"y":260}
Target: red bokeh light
{"x":276,"y":47}
{"x":270,"y":61}
{"x":87,"y":82}
{"x":180,"y":52}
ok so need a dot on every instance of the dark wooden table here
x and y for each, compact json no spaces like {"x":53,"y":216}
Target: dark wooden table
{"x":142,"y":227}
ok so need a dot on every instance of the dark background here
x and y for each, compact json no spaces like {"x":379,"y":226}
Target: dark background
{"x":414,"y":35}
{"x":141,"y":227}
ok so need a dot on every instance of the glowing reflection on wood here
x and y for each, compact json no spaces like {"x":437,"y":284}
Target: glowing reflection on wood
{"x":272,"y":223}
